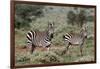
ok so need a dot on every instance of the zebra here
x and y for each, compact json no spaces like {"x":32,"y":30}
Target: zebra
{"x":40,"y":38}
{"x":76,"y":39}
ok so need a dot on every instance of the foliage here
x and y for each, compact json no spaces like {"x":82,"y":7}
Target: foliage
{"x":90,"y":18}
{"x":78,"y":18}
{"x":71,"y":17}
{"x":46,"y":57}
{"x":23,"y":60}
{"x":54,"y":55}
{"x":82,"y":17}
{"x":25,"y":14}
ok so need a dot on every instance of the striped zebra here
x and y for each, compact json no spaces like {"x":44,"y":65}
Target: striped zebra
{"x":40,"y":38}
{"x":76,"y":39}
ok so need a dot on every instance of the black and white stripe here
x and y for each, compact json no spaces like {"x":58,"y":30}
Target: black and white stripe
{"x":30,"y":36}
{"x":67,"y":37}
{"x":40,"y":38}
{"x":76,"y":38}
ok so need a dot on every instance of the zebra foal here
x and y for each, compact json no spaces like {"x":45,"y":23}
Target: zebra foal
{"x":76,"y":39}
{"x":40,"y":38}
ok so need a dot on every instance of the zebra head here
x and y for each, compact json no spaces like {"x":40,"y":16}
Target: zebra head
{"x":51,"y":30}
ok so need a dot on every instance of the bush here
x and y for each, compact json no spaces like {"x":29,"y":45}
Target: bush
{"x":71,"y":17}
{"x":78,"y":18}
{"x":45,"y":58}
{"x":24,"y":14}
{"x":90,"y":18}
{"x":82,"y":17}
{"x":22,"y":59}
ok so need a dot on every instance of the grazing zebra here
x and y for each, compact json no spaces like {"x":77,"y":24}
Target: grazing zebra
{"x":40,"y":38}
{"x":76,"y":39}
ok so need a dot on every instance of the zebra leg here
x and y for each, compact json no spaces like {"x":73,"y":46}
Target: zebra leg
{"x":48,"y":47}
{"x":32,"y":49}
{"x":66,"y":49}
{"x":81,"y":49}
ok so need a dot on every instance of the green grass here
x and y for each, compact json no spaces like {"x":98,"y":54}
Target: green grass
{"x":23,"y":56}
{"x":55,"y":55}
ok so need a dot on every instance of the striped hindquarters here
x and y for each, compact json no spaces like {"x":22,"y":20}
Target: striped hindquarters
{"x":38,"y":38}
{"x":67,"y":37}
{"x":30,"y":36}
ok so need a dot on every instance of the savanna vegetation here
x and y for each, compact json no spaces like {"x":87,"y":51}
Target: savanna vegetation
{"x":66,"y":19}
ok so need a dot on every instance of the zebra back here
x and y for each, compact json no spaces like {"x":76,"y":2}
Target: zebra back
{"x":76,"y":38}
{"x":41,"y":38}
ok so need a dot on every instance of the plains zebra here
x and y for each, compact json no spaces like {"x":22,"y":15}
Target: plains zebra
{"x":40,"y":38}
{"x":76,"y":38}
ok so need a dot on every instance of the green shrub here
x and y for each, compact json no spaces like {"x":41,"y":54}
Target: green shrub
{"x":24,"y":14}
{"x":45,"y":58}
{"x":22,"y":59}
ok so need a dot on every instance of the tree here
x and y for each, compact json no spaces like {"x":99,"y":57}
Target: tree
{"x":24,"y":13}
{"x":77,"y":17}
{"x":71,"y":17}
{"x":82,"y":17}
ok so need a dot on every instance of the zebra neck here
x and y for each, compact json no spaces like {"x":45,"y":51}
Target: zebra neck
{"x":50,"y":35}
